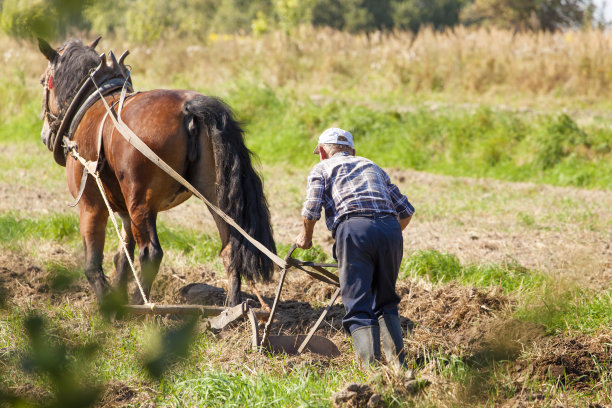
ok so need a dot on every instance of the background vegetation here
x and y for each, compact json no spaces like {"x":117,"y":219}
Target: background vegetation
{"x":147,"y":20}
{"x":482,"y":93}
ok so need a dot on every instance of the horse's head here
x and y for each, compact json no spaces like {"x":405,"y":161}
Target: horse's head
{"x":66,"y":68}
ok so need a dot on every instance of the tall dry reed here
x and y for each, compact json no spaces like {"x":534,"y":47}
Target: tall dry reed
{"x":466,"y":63}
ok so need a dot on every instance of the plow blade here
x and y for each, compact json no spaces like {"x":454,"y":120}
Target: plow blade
{"x":290,"y":344}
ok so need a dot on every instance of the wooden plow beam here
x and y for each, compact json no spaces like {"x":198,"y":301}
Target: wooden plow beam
{"x":219,"y":317}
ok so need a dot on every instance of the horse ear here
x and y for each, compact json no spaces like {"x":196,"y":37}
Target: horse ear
{"x":46,"y":49}
{"x":95,"y":42}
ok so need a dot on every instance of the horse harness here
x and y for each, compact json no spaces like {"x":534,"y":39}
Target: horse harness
{"x":105,"y":79}
{"x":96,"y":166}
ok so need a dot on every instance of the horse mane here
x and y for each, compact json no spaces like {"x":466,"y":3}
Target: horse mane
{"x":240,"y":189}
{"x":71,"y":68}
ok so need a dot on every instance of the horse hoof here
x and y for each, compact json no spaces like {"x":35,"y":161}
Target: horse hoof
{"x":136,"y":298}
{"x":98,"y":283}
{"x":235,"y":301}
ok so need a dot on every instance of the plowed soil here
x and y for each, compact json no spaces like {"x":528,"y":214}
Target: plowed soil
{"x":448,"y":319}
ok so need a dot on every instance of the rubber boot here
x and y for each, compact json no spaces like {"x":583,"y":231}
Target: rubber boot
{"x":366,"y":342}
{"x":393,"y":344}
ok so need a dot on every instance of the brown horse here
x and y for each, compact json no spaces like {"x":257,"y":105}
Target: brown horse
{"x":197,"y":135}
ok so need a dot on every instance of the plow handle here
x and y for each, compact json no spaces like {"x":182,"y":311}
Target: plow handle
{"x":266,"y":333}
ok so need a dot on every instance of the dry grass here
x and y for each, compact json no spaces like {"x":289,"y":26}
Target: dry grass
{"x":460,"y":64}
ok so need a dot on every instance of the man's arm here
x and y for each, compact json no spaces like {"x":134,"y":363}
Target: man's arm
{"x":304,"y":240}
{"x":404,"y":209}
{"x":311,"y":210}
{"x":405,"y":221}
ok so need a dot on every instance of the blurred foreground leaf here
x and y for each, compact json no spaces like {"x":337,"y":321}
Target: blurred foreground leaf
{"x":48,"y":19}
{"x":50,"y":360}
{"x":174,"y":345}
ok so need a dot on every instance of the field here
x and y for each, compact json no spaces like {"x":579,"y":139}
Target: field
{"x":503,"y":144}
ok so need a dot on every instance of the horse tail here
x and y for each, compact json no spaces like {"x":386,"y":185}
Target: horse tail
{"x":239,"y":187}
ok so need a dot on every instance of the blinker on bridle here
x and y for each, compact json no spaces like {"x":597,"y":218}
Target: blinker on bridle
{"x":47,"y":84}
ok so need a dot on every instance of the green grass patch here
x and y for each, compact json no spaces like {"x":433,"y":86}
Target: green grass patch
{"x":195,"y":245}
{"x":575,"y":309}
{"x":443,"y":268}
{"x":60,"y":276}
{"x":300,"y":387}
{"x":198,"y":247}
{"x":22,"y":125}
{"x":56,"y":227}
{"x":283,"y":127}
{"x":486,"y":143}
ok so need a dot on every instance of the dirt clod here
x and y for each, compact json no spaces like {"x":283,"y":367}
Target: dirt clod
{"x":202,"y":294}
{"x":577,"y":362}
{"x":356,"y":395}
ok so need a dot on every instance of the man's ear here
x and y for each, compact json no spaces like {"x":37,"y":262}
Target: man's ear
{"x":354,"y":152}
{"x":323,"y":153}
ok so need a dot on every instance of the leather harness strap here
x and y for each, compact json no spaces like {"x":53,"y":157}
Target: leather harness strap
{"x":111,"y":78}
{"x":100,"y":153}
{"x":142,"y":147}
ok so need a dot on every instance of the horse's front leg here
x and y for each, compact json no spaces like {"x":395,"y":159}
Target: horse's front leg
{"x":93,"y":229}
{"x":144,"y":230}
{"x":121,"y":260}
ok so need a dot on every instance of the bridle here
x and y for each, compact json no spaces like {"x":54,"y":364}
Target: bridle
{"x":61,"y":121}
{"x":53,"y":120}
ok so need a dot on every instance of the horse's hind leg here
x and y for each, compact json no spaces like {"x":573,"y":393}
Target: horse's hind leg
{"x":122,"y":264}
{"x":234,"y":296}
{"x":144,"y":230}
{"x":93,"y":231}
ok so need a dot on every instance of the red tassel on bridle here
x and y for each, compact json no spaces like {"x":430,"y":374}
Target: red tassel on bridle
{"x":50,"y":82}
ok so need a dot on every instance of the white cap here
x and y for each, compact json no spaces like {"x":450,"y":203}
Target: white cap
{"x":335,"y":136}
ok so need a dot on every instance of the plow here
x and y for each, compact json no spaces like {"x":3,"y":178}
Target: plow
{"x":220,"y":318}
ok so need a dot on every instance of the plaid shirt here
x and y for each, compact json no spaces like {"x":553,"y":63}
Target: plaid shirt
{"x":345,"y":184}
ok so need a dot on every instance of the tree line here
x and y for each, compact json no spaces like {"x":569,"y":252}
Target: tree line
{"x":147,"y":20}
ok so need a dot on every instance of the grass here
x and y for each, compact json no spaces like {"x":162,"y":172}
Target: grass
{"x":18,"y":232}
{"x":442,"y":268}
{"x":549,"y":149}
{"x":573,"y":309}
{"x":558,"y":306}
{"x":117,"y":353}
{"x":57,"y":227}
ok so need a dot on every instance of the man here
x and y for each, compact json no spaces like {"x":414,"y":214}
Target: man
{"x":366,"y":214}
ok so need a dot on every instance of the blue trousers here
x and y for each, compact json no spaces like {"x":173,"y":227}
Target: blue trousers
{"x":369,"y":252}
